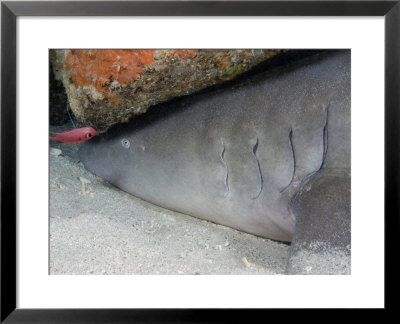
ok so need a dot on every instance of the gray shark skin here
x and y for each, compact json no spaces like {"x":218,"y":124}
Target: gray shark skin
{"x":269,"y":156}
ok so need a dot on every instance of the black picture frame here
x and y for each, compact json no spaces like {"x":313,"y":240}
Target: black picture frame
{"x":9,"y":13}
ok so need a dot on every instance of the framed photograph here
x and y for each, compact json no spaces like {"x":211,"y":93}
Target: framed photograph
{"x":293,"y":104}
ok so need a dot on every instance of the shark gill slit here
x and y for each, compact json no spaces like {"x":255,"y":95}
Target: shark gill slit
{"x":226,"y":167}
{"x":324,"y":145}
{"x":255,"y":147}
{"x":325,"y":135}
{"x":294,"y":160}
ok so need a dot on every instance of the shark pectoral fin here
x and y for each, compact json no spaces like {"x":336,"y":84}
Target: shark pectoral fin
{"x":321,"y":242}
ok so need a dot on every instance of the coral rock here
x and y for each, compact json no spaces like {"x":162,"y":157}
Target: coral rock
{"x":105,"y":87}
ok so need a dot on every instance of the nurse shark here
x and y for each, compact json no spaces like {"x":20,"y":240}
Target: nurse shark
{"x":269,"y":156}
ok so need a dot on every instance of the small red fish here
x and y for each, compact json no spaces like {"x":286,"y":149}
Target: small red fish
{"x":74,"y":136}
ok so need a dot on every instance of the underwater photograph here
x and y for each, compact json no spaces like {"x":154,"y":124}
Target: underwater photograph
{"x":199,"y":161}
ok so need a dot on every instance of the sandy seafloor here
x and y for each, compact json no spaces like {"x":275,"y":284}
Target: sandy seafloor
{"x":107,"y":231}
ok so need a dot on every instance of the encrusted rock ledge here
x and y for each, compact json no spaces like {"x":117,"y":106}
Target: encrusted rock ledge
{"x":105,"y":87}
